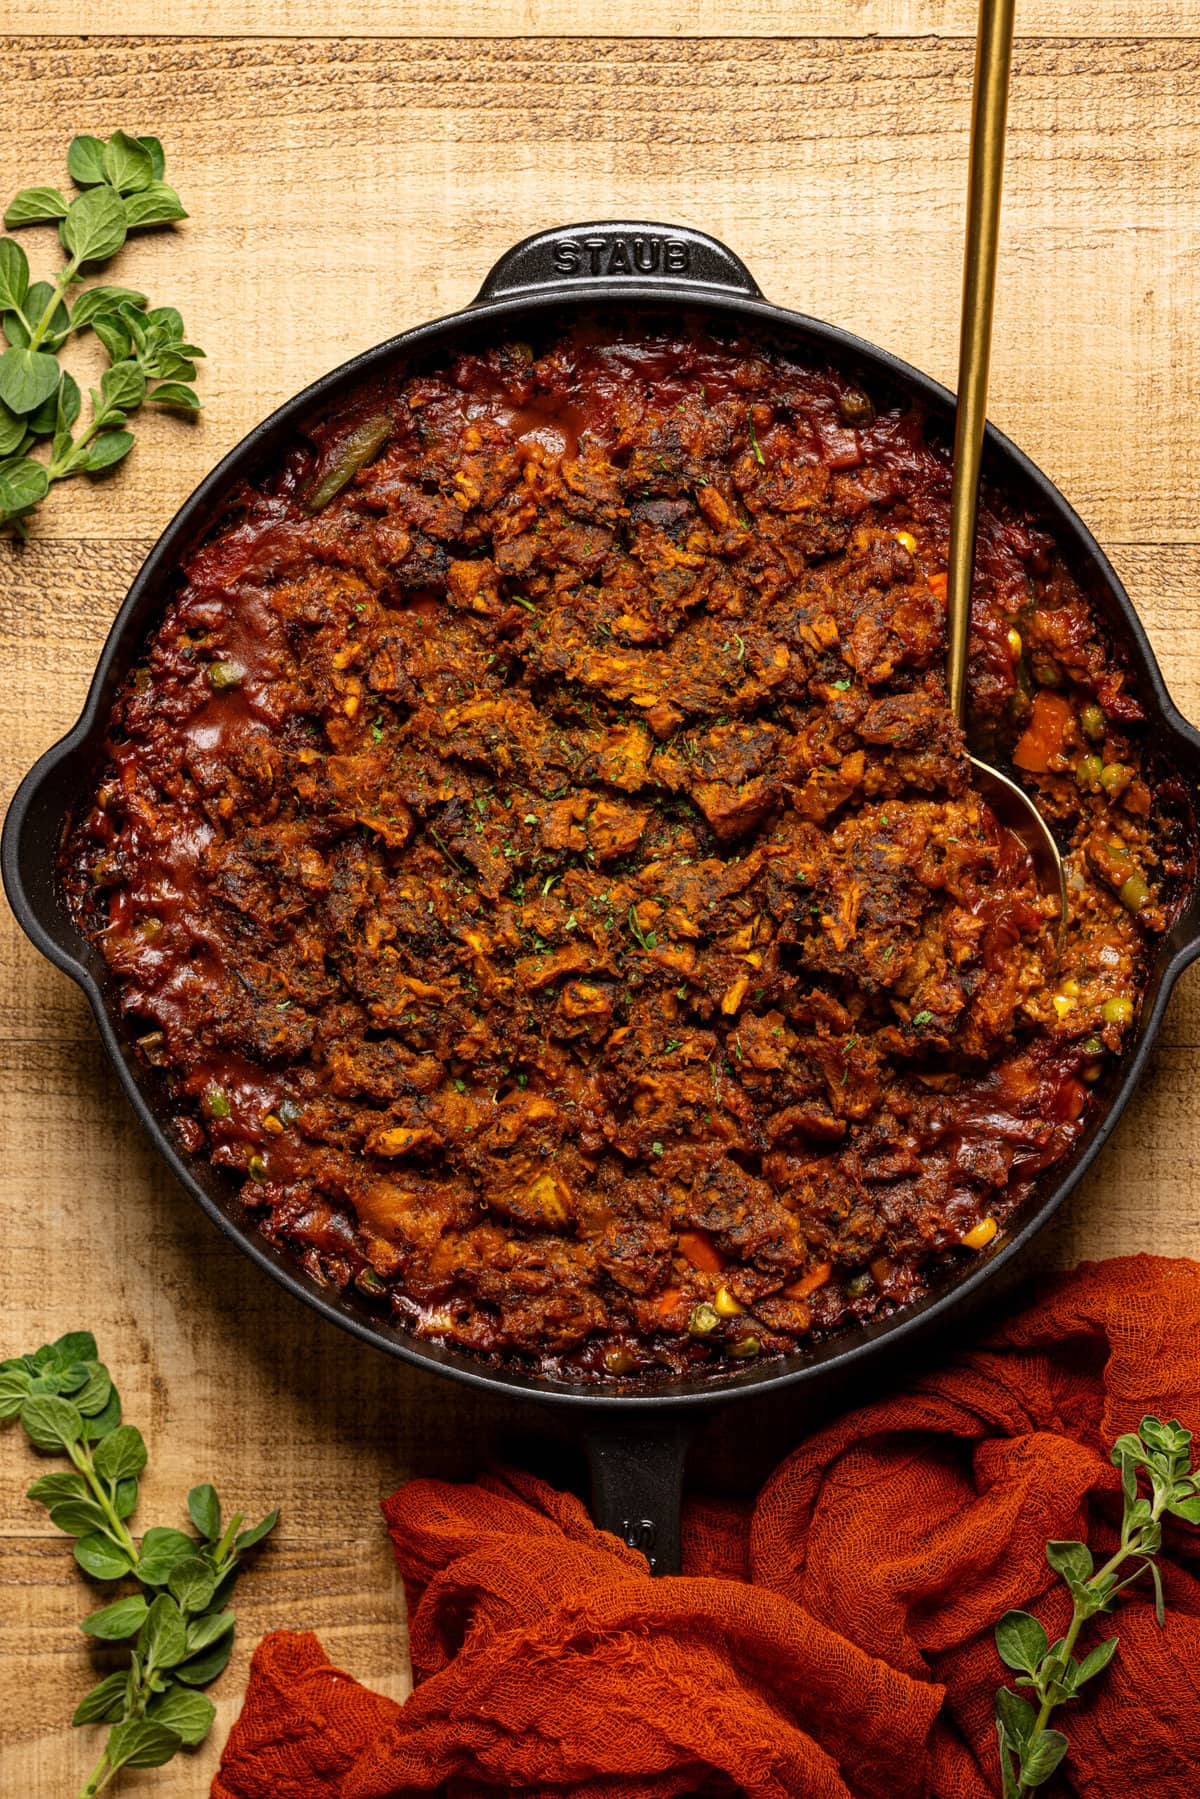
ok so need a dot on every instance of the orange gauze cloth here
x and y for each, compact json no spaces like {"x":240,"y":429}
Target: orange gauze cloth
{"x":832,"y":1641}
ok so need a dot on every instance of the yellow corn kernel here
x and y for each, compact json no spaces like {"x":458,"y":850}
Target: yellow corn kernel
{"x":726,"y":1304}
{"x":733,"y":996}
{"x":1014,"y":643}
{"x":906,"y":540}
{"x":272,"y":1124}
{"x":981,"y":1235}
{"x":1066,"y":997}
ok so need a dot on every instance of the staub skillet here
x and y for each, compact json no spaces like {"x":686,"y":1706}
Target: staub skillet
{"x":635,"y":1441}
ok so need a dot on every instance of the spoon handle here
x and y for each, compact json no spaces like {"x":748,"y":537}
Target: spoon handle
{"x":989,"y":109}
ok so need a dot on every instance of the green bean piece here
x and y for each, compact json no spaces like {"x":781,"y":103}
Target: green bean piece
{"x":1134,"y":894}
{"x":745,"y":1348}
{"x":107,"y":870}
{"x":704,"y":1319}
{"x":367,"y":1281}
{"x":354,"y":452}
{"x":257,"y":1168}
{"x":216,"y":1103}
{"x":859,"y":1285}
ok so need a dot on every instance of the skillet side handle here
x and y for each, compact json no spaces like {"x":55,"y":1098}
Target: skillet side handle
{"x":637,"y":1485}
{"x":617,"y":254}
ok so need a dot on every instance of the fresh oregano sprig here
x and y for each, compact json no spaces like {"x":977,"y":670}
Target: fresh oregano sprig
{"x":1029,"y":1750}
{"x":178,"y":1625}
{"x":122,"y":191}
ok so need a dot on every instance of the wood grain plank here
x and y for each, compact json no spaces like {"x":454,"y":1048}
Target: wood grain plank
{"x":340,"y":192}
{"x":598,"y":18}
{"x":343,"y":185}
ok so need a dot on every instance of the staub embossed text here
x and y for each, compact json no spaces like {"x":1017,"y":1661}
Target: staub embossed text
{"x":640,"y":255}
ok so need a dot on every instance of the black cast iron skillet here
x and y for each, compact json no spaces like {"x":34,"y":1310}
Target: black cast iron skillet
{"x":636,"y":1438}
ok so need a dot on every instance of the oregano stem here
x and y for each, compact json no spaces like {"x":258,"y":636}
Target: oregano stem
{"x":1079,"y":1616}
{"x":59,"y":471}
{"x":60,"y":288}
{"x":98,"y":1779}
{"x":83,"y":1462}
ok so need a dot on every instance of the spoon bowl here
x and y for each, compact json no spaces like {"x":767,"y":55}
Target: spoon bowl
{"x":1018,"y":814}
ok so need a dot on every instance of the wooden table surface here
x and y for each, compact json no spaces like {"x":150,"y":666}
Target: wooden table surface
{"x":353,"y":169}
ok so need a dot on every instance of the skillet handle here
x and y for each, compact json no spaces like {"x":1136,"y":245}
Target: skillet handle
{"x":606,"y":257}
{"x":637,"y":1485}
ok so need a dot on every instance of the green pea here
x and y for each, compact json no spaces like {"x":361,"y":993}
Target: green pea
{"x":1092,"y":721}
{"x":224,"y":675}
{"x":859,"y":1285}
{"x":1119,"y":1010}
{"x":1092,"y":1046}
{"x":1089,"y":772}
{"x":1115,"y":777}
{"x":257,"y":1168}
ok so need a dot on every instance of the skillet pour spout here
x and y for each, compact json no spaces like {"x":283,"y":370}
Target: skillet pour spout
{"x":636,"y":1431}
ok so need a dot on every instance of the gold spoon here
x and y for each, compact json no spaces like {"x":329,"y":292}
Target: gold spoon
{"x":989,"y":108}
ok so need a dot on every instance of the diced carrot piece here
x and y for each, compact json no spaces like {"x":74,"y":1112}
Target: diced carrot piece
{"x":808,"y":1283}
{"x":669,"y":1300}
{"x":937,"y":586}
{"x":1045,"y":735}
{"x":700,"y":1250}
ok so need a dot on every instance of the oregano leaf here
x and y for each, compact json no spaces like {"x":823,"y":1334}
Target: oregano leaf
{"x":123,"y":1618}
{"x":204,"y":1510}
{"x":121,"y":1454}
{"x":1021,"y":1642}
{"x":95,"y":226}
{"x":189,"y":1715}
{"x":85,"y":161}
{"x":105,"y":1702}
{"x":126,"y":163}
{"x":140,"y":1744}
{"x":34,"y":206}
{"x":50,"y":1423}
{"x":14,"y":275}
{"x":27,"y":377}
